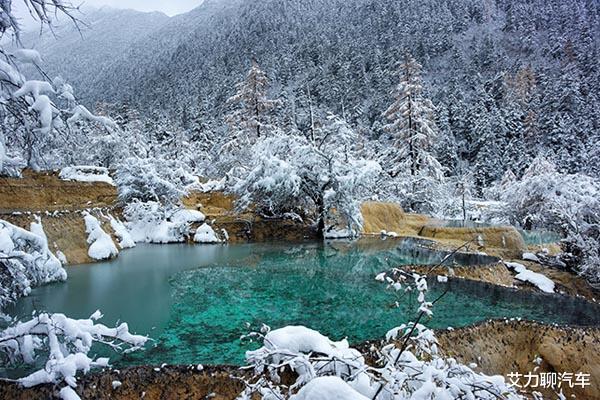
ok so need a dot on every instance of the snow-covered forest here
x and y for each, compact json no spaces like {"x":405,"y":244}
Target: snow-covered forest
{"x":480,"y":112}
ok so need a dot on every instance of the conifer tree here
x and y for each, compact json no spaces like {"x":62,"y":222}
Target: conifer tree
{"x":252,"y":109}
{"x":411,"y":126}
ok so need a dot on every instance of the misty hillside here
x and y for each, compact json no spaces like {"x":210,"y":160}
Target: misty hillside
{"x":508,"y":69}
{"x":83,"y":57}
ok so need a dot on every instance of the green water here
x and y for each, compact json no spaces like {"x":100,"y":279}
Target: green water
{"x":196,"y":301}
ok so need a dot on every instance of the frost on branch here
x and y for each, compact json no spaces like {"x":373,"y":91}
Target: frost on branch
{"x":568,"y":204}
{"x":67,"y":343}
{"x":293,"y":174}
{"x":331,"y":370}
{"x":34,"y":111}
{"x":25,"y":261}
{"x":157,"y":180}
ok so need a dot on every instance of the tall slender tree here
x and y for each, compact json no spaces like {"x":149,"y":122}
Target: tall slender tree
{"x":411,"y":126}
{"x":252,"y":109}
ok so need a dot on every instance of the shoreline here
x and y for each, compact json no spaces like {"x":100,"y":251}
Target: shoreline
{"x":515,"y":343}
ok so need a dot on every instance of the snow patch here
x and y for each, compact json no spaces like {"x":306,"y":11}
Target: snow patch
{"x":530,"y":257}
{"x":543,"y":283}
{"x":328,"y":388}
{"x":84,"y":173}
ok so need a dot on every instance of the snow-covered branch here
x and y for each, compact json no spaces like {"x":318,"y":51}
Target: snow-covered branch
{"x":67,"y":343}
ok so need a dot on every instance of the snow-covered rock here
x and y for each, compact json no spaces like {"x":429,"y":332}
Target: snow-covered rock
{"x":385,"y":233}
{"x":67,"y":393}
{"x":530,"y":257}
{"x":543,"y":283}
{"x":84,"y":173}
{"x":299,"y":339}
{"x":101,"y":244}
{"x":150,"y":222}
{"x":206,"y":234}
{"x":184,"y":216}
{"x":125,"y":239}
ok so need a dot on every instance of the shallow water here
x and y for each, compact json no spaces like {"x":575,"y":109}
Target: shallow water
{"x":196,"y":301}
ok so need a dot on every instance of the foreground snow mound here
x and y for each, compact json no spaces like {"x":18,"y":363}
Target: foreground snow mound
{"x":206,"y":234}
{"x":101,"y":244}
{"x":25,"y":261}
{"x":328,"y":388}
{"x":300,"y":339}
{"x":85,"y":173}
{"x":291,"y":345}
{"x":543,"y":283}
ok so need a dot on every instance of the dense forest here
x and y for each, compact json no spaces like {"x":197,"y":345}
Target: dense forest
{"x":509,"y":80}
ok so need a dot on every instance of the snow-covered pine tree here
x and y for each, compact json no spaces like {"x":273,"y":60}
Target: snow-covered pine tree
{"x":411,"y":126}
{"x":409,"y":159}
{"x":252,"y":109}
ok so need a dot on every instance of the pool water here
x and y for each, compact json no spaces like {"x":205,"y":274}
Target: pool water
{"x":196,"y":301}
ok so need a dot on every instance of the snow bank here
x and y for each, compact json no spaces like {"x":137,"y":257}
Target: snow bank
{"x":150,"y":222}
{"x":125,"y":239}
{"x":86,"y":174}
{"x":101,"y":244}
{"x":544,"y":283}
{"x":28,"y":261}
{"x":206,"y":234}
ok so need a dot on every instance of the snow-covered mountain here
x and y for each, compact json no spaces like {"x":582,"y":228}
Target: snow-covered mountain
{"x":83,"y":54}
{"x":500,"y":72}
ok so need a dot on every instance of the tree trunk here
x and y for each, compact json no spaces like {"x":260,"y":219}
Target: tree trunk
{"x":320,"y":217}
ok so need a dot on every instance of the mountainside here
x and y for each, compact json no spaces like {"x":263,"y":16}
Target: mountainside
{"x":84,"y":57}
{"x":510,"y":79}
